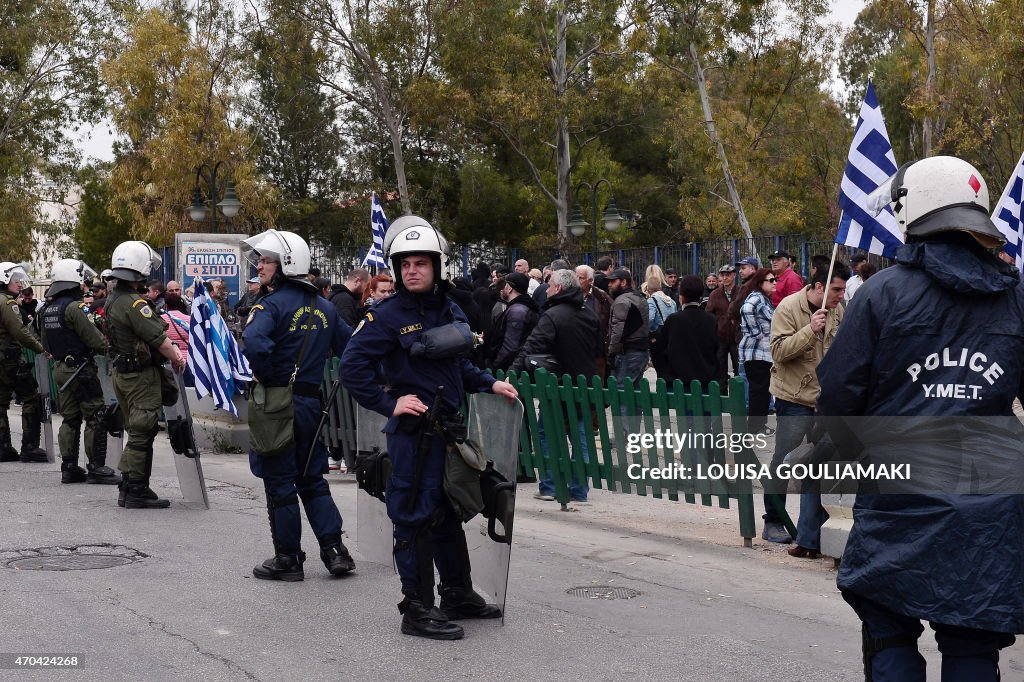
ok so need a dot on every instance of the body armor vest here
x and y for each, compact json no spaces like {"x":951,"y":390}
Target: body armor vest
{"x":60,"y":340}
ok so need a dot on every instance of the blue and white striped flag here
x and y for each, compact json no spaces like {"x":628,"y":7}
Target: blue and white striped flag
{"x":379,"y":225}
{"x":1007,"y":215}
{"x":869,"y":164}
{"x":213,"y":357}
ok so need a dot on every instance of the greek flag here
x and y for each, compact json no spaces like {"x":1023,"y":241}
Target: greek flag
{"x":869,"y":164}
{"x":214,"y":358}
{"x":379,"y":225}
{"x":1007,"y":214}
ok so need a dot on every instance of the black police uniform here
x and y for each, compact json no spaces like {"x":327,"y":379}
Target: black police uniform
{"x":956,"y":561}
{"x":426,"y":530}
{"x":272,"y":340}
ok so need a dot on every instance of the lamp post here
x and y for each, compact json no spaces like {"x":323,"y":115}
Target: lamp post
{"x":200,"y":208}
{"x":611,"y":219}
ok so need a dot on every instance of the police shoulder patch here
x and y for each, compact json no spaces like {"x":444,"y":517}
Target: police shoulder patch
{"x":359,"y":326}
{"x":146,"y":311}
{"x":252,"y":312}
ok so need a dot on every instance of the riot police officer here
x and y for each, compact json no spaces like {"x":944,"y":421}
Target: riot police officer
{"x":15,"y":374}
{"x":956,"y":561}
{"x":138,"y":347}
{"x":72,"y":339}
{"x":287,"y":337}
{"x":391,"y":336}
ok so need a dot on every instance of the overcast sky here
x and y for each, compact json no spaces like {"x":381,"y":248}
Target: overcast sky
{"x":95,"y":142}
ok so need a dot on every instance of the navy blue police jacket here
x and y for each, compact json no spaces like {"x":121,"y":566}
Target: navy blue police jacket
{"x":275,"y":331}
{"x":383,"y":339}
{"x":941,"y":333}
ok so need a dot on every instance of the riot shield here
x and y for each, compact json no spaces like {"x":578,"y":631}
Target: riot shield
{"x":46,"y":413}
{"x":186,"y":454}
{"x":114,"y":419}
{"x":374,"y":530}
{"x":494,"y":423}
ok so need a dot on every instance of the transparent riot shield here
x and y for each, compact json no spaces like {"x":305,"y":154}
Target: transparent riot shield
{"x":374,"y":530}
{"x":186,"y":454}
{"x":494,"y":423}
{"x":113,"y":422}
{"x":46,"y":413}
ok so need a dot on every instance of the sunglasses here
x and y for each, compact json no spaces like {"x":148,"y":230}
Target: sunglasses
{"x":770,"y":279}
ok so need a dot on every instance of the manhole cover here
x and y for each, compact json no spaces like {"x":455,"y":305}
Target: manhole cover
{"x":70,"y":558}
{"x":603,"y":592}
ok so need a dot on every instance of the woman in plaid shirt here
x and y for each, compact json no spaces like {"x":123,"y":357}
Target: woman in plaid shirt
{"x":755,"y":351}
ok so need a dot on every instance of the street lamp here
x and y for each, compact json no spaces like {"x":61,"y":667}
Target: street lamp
{"x":200,"y":209}
{"x":611,"y":218}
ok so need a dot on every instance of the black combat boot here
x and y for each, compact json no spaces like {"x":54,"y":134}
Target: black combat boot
{"x":33,"y":430}
{"x":337,"y":559}
{"x":70,"y":472}
{"x":461,"y":603}
{"x":286,"y":567}
{"x":102,"y":474}
{"x":421,"y":619}
{"x":122,"y":490}
{"x":99,"y":472}
{"x":7,"y":451}
{"x":138,"y":495}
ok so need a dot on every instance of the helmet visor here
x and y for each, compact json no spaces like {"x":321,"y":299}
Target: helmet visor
{"x":881,"y":198}
{"x":155,"y":261}
{"x":270,"y":244}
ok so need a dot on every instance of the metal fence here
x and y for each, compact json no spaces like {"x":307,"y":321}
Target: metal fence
{"x":698,"y":258}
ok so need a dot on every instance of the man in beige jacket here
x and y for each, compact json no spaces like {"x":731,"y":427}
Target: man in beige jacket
{"x":803,"y":327}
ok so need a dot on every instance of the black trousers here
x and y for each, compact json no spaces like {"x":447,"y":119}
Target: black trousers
{"x":726,"y":351}
{"x":759,"y":376}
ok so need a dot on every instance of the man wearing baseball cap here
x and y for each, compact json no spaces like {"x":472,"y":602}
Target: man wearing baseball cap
{"x":787,"y":281}
{"x":854,"y":282}
{"x":746,"y":267}
{"x":728,"y":330}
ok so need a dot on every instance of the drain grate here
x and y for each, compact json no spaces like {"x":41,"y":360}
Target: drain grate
{"x":70,"y":558}
{"x":603,"y":592}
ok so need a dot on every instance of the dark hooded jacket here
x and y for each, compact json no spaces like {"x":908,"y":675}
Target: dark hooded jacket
{"x":511,"y":330}
{"x":569,"y":331}
{"x":462,"y":294}
{"x":943,"y":316}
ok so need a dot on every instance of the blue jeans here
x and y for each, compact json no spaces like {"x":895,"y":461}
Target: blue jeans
{"x":794,"y":423}
{"x":629,"y":367}
{"x":630,"y":364}
{"x":812,"y":517}
{"x":578,"y":490}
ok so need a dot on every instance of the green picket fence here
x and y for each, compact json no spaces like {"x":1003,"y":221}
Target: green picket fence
{"x":339,"y":431}
{"x":551,"y":432}
{"x":573,"y":416}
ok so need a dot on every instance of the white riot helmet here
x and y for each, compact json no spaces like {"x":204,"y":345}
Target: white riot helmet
{"x":938,"y":194}
{"x":68,"y":274}
{"x":410,"y":235}
{"x":134,"y":261}
{"x":287,"y":248}
{"x":13,"y":272}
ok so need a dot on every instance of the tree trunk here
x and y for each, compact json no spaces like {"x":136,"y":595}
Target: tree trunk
{"x":399,"y":156}
{"x":929,"y":84}
{"x":562,"y":132}
{"x":713,"y":133}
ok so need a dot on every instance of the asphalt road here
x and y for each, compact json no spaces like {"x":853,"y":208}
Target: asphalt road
{"x":183,"y":603}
